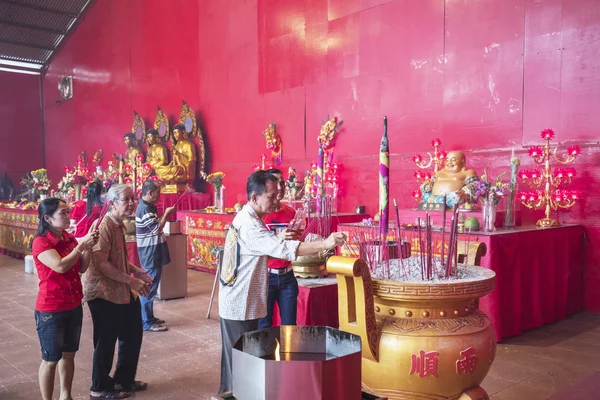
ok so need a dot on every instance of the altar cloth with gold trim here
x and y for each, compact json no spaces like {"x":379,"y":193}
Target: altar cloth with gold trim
{"x":17,"y":230}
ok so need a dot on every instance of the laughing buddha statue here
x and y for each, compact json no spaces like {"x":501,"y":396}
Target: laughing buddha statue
{"x":454,"y":181}
{"x":182,"y":168}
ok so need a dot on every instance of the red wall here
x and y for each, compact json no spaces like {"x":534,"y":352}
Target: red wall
{"x":483,"y":75}
{"x":21,"y":140}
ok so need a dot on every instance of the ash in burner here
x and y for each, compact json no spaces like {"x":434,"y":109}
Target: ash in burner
{"x":300,"y":357}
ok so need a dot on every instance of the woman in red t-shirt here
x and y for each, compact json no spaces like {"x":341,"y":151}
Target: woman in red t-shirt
{"x":93,"y":206}
{"x":59,"y":260}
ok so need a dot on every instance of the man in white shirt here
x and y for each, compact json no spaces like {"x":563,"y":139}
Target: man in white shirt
{"x":244,"y":273}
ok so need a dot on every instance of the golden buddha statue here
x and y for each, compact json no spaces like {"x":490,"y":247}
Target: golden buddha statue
{"x":182,"y":168}
{"x":454,"y":181}
{"x":132,"y":149}
{"x":158,"y":155}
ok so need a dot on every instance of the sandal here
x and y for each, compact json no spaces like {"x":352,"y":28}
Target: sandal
{"x":110,"y":395}
{"x":157,"y":328}
{"x":136,"y":386}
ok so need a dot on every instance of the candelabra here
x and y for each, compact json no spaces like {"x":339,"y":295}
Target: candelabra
{"x":436,"y":160}
{"x":550,"y":183}
{"x":264,"y":164}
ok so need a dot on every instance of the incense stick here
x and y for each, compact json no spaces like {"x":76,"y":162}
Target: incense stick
{"x":187,"y":190}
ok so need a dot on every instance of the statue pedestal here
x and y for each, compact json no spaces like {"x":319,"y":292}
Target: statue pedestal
{"x":174,"y":188}
{"x":410,"y":215}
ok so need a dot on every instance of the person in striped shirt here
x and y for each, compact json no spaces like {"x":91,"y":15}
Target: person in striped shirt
{"x":152,"y":249}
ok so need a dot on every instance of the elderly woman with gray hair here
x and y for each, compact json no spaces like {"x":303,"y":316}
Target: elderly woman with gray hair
{"x":112,"y":286}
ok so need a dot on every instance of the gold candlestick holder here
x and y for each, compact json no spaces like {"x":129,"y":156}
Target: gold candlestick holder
{"x":549,"y":184}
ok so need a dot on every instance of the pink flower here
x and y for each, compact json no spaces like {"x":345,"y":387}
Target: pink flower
{"x":570,"y":172}
{"x":417,"y":158}
{"x":416,"y":194}
{"x":436,"y":142}
{"x":547,"y":134}
{"x":442,"y":155}
{"x":535,"y":151}
{"x":574,"y":150}
{"x":524,"y":174}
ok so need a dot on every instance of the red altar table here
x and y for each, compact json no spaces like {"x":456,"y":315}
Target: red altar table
{"x":539,"y":275}
{"x":206,"y":232}
{"x":191,"y":201}
{"x":17,"y":230}
{"x":317,"y":303}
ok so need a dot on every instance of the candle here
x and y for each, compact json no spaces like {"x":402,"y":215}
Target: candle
{"x":222,"y":199}
{"x":384,"y":182}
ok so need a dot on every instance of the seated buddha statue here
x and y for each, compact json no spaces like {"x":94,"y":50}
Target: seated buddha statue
{"x":182,"y":168}
{"x":132,"y":149}
{"x":454,"y":181}
{"x":158,"y":155}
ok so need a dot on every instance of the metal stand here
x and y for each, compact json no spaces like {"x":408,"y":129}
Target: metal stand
{"x":217,"y":274}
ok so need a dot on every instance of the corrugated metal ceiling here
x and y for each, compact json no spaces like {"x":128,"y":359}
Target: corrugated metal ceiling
{"x":31,"y":30}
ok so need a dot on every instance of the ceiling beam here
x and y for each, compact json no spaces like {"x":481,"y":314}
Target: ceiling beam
{"x":39,"y":8}
{"x":30,"y":45}
{"x":32,"y":27}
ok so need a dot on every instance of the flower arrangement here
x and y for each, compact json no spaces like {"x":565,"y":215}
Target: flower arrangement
{"x":216,"y":179}
{"x":491,"y":190}
{"x":37,"y":180}
{"x":72,"y":178}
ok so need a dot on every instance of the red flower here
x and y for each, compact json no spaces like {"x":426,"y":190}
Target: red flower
{"x":547,"y":134}
{"x":535,"y":151}
{"x":436,"y":142}
{"x":418,"y":175}
{"x":417,"y":158}
{"x":442,"y":155}
{"x":524,"y":174}
{"x":416,"y":194}
{"x":574,"y":150}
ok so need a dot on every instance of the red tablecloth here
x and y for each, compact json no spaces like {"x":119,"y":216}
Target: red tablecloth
{"x":132,"y":254}
{"x":539,"y":276}
{"x":317,"y":305}
{"x":192,"y":201}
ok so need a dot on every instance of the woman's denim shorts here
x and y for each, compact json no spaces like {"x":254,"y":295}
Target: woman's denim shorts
{"x":59,"y":332}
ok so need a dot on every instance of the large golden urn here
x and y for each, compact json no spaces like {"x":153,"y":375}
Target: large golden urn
{"x":420,"y":340}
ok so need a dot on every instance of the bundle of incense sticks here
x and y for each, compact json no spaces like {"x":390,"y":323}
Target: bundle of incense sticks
{"x":452,"y":245}
{"x":187,"y":191}
{"x":443,"y":228}
{"x":103,"y":212}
